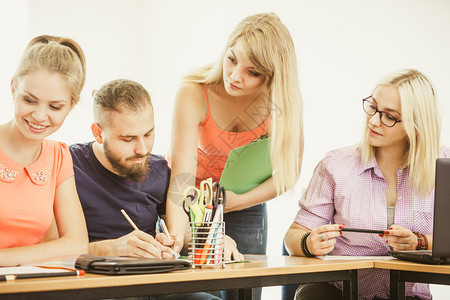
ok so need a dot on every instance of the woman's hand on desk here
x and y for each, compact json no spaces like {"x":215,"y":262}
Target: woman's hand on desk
{"x":231,"y":250}
{"x":323,"y":238}
{"x":400,"y":238}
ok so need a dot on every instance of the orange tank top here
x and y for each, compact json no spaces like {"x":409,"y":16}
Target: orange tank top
{"x":214,"y":144}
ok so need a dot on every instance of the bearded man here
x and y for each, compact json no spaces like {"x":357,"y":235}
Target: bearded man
{"x":117,"y":171}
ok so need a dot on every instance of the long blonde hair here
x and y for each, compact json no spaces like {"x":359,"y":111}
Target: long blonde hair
{"x":422,"y":124}
{"x":268,"y":45}
{"x":55,"y":54}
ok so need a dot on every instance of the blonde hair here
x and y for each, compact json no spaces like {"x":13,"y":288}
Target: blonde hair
{"x":420,"y":118}
{"x":55,"y":54}
{"x":268,"y":45}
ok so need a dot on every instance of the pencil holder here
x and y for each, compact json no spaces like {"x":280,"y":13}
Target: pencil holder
{"x":206,"y":247}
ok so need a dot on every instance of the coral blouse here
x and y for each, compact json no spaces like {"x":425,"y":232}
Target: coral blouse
{"x":215,"y":144}
{"x":27,"y":194}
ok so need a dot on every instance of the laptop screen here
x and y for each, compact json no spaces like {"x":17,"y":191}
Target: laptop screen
{"x":441,"y":229}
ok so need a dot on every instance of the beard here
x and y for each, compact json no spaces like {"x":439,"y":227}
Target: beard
{"x":136,"y":173}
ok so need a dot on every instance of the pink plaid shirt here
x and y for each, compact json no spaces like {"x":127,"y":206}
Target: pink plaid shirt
{"x":345,"y":190}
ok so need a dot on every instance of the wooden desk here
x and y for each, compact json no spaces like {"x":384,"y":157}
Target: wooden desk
{"x":261,"y":271}
{"x":402,"y":271}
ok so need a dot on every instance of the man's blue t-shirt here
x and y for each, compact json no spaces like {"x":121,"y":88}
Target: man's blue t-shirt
{"x":103,"y":194}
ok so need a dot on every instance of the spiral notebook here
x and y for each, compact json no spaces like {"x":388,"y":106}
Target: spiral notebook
{"x":440,"y":254}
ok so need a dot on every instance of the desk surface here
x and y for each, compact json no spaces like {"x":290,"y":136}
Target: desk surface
{"x":259,"y":265}
{"x":404,"y":271}
{"x":401,"y":265}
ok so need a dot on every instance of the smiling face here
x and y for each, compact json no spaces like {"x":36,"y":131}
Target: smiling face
{"x":42,"y":102}
{"x":240,"y":77}
{"x":127,"y":140}
{"x":386,"y":98}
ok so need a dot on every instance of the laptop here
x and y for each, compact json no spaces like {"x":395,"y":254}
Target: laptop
{"x":125,"y":265}
{"x":441,"y":224}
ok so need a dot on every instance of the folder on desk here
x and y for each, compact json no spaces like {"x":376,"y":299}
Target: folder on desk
{"x":247,"y":167}
{"x":125,"y":265}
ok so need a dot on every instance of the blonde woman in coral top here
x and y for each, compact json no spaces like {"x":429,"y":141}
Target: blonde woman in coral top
{"x":251,"y":90}
{"x":40,"y":213}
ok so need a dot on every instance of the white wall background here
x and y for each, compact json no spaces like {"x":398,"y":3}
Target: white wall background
{"x":343,"y":48}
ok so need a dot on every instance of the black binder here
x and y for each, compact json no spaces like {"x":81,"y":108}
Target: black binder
{"x":126,"y":265}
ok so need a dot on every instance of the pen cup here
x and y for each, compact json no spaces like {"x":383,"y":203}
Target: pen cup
{"x":206,"y":247}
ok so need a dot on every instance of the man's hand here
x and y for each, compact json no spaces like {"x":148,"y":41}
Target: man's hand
{"x":172,"y":243}
{"x":139,"y":243}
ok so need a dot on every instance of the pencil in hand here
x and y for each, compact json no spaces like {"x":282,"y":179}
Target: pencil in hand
{"x":129,"y":219}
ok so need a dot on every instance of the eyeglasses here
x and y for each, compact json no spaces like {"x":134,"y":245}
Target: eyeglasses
{"x":371,"y":109}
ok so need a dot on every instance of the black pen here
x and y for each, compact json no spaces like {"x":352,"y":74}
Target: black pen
{"x":362,"y":230}
{"x":9,"y":277}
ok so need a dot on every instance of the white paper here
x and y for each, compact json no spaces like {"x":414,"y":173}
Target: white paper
{"x":28,"y":270}
{"x":54,"y":265}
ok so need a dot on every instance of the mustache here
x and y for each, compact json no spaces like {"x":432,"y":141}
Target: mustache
{"x":138,"y":156}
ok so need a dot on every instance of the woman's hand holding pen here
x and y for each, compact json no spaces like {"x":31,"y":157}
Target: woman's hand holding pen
{"x":323,"y":238}
{"x":139,"y":243}
{"x":400,"y":238}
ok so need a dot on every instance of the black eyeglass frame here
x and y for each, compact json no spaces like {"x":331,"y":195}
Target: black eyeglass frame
{"x":379,"y":111}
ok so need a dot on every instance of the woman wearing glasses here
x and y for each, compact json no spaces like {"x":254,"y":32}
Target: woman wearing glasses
{"x":385,"y":183}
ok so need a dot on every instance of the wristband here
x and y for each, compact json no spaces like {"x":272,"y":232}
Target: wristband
{"x":304,"y":246}
{"x":422,"y":241}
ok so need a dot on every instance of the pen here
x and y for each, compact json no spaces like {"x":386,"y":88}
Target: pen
{"x":208,"y":214}
{"x":129,"y":219}
{"x":166,"y":231}
{"x":362,"y":230}
{"x":210,"y":240}
{"x":39,"y":275}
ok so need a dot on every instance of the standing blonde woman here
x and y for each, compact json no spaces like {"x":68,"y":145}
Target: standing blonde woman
{"x":251,"y":90}
{"x":37,"y":182}
{"x":386,"y":183}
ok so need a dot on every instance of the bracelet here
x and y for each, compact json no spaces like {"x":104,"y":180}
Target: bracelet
{"x":304,"y":246}
{"x":422,"y":241}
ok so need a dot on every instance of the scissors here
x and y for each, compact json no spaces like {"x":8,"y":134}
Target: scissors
{"x":219,"y":194}
{"x":219,"y":197}
{"x":197,"y":200}
{"x":193,"y":201}
{"x":206,"y":189}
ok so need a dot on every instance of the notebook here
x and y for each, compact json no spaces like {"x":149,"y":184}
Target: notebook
{"x":247,"y":166}
{"x":440,"y":254}
{"x":125,"y":265}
